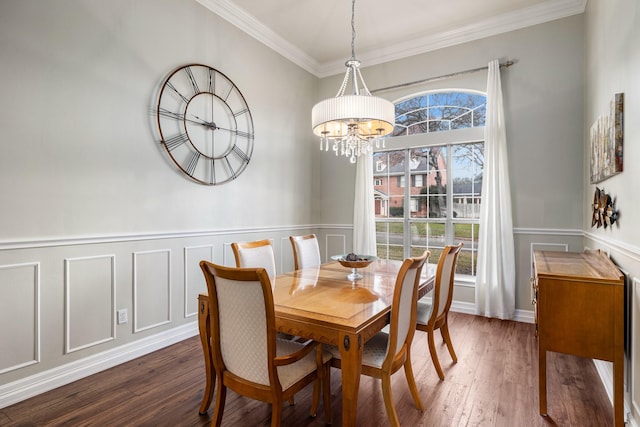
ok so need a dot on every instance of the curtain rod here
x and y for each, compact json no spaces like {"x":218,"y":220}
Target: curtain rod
{"x":445,"y":76}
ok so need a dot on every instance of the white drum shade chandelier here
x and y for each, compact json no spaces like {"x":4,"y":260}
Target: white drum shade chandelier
{"x":352,"y":123}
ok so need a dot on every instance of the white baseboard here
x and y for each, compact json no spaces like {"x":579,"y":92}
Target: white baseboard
{"x":33,"y":385}
{"x":525,"y":316}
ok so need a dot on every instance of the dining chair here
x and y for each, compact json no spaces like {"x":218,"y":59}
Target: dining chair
{"x":433,"y":313}
{"x":306,"y":252}
{"x":248,"y":358}
{"x":385,"y":353}
{"x":255,"y":254}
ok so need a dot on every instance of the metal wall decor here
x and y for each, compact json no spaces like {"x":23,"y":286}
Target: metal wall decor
{"x":604,"y":212}
{"x":205,"y":124}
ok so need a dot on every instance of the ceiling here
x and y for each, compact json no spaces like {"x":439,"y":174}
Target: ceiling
{"x":316,"y":34}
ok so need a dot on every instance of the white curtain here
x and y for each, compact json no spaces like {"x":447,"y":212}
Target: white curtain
{"x":364,"y":224}
{"x":495,"y":279}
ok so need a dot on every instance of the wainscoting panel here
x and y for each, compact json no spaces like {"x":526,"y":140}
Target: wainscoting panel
{"x":536,"y":246}
{"x":20,"y":308}
{"x":194,"y":283}
{"x":284,"y":261}
{"x":336,"y":244}
{"x":90,"y":294}
{"x":46,"y":285}
{"x":151,"y":289}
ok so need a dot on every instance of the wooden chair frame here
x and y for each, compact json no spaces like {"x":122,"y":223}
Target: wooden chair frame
{"x":441,"y":321}
{"x":273,"y":393}
{"x":237,"y":247}
{"x":393,"y":362}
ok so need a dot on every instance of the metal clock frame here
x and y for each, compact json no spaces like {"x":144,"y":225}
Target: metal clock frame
{"x":226,"y":149}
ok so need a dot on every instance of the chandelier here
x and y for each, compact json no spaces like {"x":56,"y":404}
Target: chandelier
{"x":352,"y":123}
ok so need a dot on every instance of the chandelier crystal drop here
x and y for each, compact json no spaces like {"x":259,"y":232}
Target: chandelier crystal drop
{"x":353,"y":123}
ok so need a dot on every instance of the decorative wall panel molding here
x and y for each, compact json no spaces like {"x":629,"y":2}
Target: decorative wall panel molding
{"x":539,"y":246}
{"x":89,"y":295}
{"x":151,"y":289}
{"x":137,"y":237}
{"x":194,"y":283}
{"x":20,"y":308}
{"x":335,"y":244}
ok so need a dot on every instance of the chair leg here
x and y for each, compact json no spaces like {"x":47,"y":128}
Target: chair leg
{"x":276,"y":412}
{"x":315,"y":400}
{"x":408,"y":372}
{"x":219,"y":408}
{"x":434,"y":355}
{"x":444,"y":331}
{"x":388,"y":401}
{"x":326,"y":385}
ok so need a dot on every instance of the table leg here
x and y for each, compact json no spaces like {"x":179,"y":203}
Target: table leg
{"x":351,"y":355}
{"x":204,"y":328}
{"x":542,"y":378}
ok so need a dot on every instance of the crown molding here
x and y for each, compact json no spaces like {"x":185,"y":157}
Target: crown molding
{"x":526,"y":17}
{"x":544,"y":12}
{"x":239,"y":17}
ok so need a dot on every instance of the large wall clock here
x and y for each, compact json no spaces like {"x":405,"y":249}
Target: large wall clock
{"x":204,"y":124}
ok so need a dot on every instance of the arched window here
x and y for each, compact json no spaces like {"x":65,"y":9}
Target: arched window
{"x":440,"y":111}
{"x":427,"y":188}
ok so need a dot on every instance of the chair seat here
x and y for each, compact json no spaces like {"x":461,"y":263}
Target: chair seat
{"x":373,"y":353}
{"x":290,"y":374}
{"x":424,"y":310}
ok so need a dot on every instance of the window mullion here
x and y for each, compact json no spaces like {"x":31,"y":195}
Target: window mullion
{"x":407,"y":204}
{"x":448,"y":235}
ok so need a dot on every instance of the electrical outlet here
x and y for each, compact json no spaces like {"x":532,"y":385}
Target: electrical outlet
{"x":122,"y":316}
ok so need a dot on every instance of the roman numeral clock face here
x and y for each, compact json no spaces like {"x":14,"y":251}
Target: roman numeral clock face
{"x":205,"y":124}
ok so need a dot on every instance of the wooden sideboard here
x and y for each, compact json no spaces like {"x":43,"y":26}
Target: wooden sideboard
{"x":580,"y":310}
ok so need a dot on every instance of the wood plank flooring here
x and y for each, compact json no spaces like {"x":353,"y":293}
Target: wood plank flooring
{"x":494,"y":383}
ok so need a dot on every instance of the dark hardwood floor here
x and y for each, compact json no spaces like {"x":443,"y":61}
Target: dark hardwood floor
{"x":494,"y":383}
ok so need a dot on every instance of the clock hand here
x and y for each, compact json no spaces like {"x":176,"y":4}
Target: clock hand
{"x":228,"y":130}
{"x":203,"y":122}
{"x":238,"y":132}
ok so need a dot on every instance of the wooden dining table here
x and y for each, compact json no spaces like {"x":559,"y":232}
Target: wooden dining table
{"x":322,"y":304}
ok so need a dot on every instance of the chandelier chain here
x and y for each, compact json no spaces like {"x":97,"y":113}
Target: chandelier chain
{"x":353,"y":29}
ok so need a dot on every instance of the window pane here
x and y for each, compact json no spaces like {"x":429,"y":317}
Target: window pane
{"x":467,"y":168}
{"x":427,"y":234}
{"x":430,"y":163}
{"x":479,"y":115}
{"x":388,"y":183}
{"x":389,"y":240}
{"x":468,"y":258}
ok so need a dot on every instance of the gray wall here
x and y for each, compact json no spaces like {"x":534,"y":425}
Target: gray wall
{"x":613,"y":65}
{"x":81,"y":154}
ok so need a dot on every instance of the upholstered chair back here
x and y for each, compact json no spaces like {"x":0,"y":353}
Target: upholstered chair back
{"x":445,"y":276}
{"x":243,"y":328}
{"x":256,"y":254}
{"x":403,"y":309}
{"x":306,"y":251}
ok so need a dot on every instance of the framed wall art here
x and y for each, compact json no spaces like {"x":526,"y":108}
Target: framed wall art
{"x":606,"y":139}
